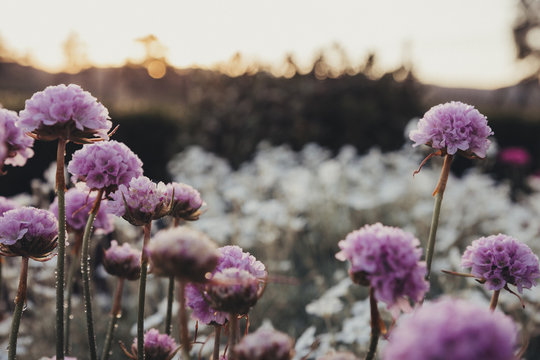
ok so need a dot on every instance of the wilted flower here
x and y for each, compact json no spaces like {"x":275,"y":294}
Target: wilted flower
{"x":452,"y":329}
{"x":233,"y":291}
{"x":105,"y":165}
{"x":186,"y":203}
{"x":185,"y":253}
{"x":515,"y":156}
{"x":28,"y":232}
{"x":122,"y":261}
{"x":17,"y":144}
{"x":501,"y":259}
{"x":65,"y":112}
{"x":140,"y":202}
{"x":6,"y":204}
{"x":453,"y":127}
{"x":265,"y":344}
{"x":388,"y":259}
{"x":156,"y":346}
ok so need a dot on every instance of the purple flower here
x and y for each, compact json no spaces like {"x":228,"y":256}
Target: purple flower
{"x":156,"y":346}
{"x":18,"y":145}
{"x":388,"y":259}
{"x":233,"y":290}
{"x":231,"y":256}
{"x":105,"y":165}
{"x":65,"y":111}
{"x":516,"y":155}
{"x":6,"y":204}
{"x":265,"y":344}
{"x":500,"y":260}
{"x":452,"y":329}
{"x":140,"y":202}
{"x":122,"y":261}
{"x":29,"y":232}
{"x":78,"y":206}
{"x":186,"y":203}
{"x":185,"y":253}
{"x":453,"y":126}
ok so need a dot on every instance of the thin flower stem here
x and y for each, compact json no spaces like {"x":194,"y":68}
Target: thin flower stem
{"x":170,"y":300}
{"x":494,"y":300}
{"x":20,"y":299}
{"x":116,"y":313}
{"x":217,"y":331}
{"x":75,"y":261}
{"x":438,"y":193}
{"x":182,"y":316}
{"x":85,"y":271}
{"x":233,"y":335}
{"x":147,"y":228}
{"x":375,"y":325}
{"x":60,"y":191}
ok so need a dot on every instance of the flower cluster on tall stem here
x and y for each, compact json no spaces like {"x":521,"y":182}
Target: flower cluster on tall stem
{"x":15,"y":145}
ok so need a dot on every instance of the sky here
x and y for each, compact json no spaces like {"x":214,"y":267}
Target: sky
{"x":459,"y":43}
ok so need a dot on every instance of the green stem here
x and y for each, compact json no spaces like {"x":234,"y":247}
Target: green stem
{"x":20,"y":299}
{"x":217,"y":330}
{"x":233,"y":335}
{"x":142,"y":291}
{"x":182,"y":316}
{"x":75,"y":261}
{"x":85,"y":271}
{"x":170,"y":300}
{"x":375,"y":325}
{"x":438,"y":193}
{"x":494,"y":300}
{"x":60,"y":191}
{"x":116,"y":313}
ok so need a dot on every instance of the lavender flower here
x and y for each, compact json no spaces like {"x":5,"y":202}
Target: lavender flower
{"x":265,"y":344}
{"x":28,"y":232}
{"x":78,"y":206}
{"x":500,"y":260}
{"x":388,"y":259}
{"x":17,"y":144}
{"x":140,"y":202}
{"x":455,"y":330}
{"x":453,"y":126}
{"x":233,"y":291}
{"x":186,"y":203}
{"x":122,"y":261}
{"x":105,"y":165}
{"x":230,"y":257}
{"x":6,"y":204}
{"x":156,"y":346}
{"x":65,"y":111}
{"x":182,"y":252}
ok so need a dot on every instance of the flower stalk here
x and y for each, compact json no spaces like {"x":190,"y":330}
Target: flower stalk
{"x":147,"y":228}
{"x":20,"y":299}
{"x":217,"y":338}
{"x":182,"y":316}
{"x":233,"y":335}
{"x":75,"y":265}
{"x":116,"y":313}
{"x":60,"y":191}
{"x":494,"y":300}
{"x":170,"y":300}
{"x":375,"y":325}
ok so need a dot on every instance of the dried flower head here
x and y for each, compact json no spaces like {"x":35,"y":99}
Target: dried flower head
{"x":233,"y":291}
{"x":66,"y":112}
{"x":388,"y":259}
{"x":140,"y":202}
{"x":28,"y":232}
{"x":265,"y":344}
{"x":6,"y":205}
{"x":453,"y":127}
{"x":185,"y":253}
{"x":186,"y":203}
{"x":501,"y":259}
{"x":18,"y":145}
{"x":156,"y":346}
{"x":122,"y":261}
{"x":452,"y":329}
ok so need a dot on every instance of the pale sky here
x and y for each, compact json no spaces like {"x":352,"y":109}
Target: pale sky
{"x":464,"y":43}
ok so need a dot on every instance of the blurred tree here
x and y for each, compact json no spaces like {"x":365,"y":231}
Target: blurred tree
{"x":75,"y":55}
{"x":526,"y":32}
{"x":154,"y":60}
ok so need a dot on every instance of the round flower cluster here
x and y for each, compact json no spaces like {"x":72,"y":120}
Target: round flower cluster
{"x":156,"y":346}
{"x":105,"y":165}
{"x":78,"y":206}
{"x":65,"y":111}
{"x":452,"y":329}
{"x":453,"y":126}
{"x":388,"y":259}
{"x":265,"y":344}
{"x":186,"y":203}
{"x":233,"y":291}
{"x":6,"y":204}
{"x":122,"y":261}
{"x":500,"y":260}
{"x":28,"y":232}
{"x":17,"y":144}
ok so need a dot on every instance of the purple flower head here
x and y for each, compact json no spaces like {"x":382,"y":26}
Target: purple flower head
{"x":65,"y":112}
{"x":233,"y":291}
{"x":140,"y":202}
{"x":18,"y":145}
{"x":185,"y":253}
{"x":516,"y":155}
{"x":453,"y":126}
{"x":78,"y":206}
{"x":156,"y":346}
{"x":452,"y":329}
{"x":105,"y":165}
{"x":186,"y":203}
{"x":265,"y":344}
{"x":122,"y":261}
{"x":6,"y":204}
{"x":231,"y":256}
{"x":500,"y":260}
{"x":388,"y":259}
{"x":28,"y":232}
